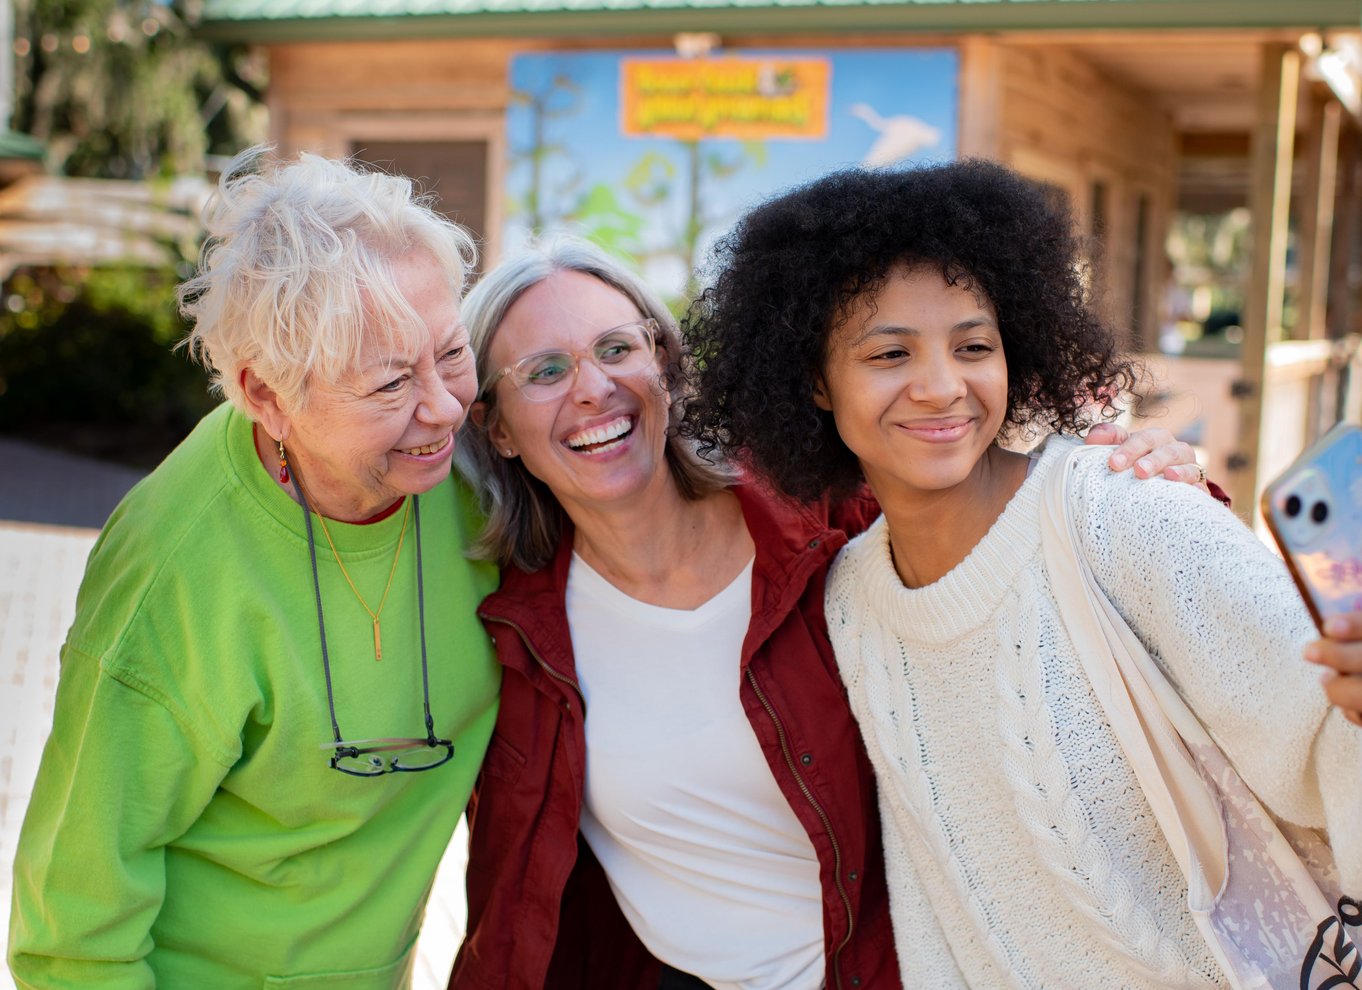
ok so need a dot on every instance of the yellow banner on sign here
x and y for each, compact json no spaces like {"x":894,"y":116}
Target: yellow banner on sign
{"x":744,"y":98}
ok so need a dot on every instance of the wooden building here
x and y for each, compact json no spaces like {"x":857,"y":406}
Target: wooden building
{"x":1134,"y":108}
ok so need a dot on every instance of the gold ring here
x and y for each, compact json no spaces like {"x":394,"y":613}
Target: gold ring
{"x":1201,"y":472}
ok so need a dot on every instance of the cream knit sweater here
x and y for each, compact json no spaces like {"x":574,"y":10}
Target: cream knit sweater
{"x":1020,"y":849}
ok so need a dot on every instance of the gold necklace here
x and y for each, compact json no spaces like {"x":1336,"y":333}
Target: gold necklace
{"x":406,"y":516}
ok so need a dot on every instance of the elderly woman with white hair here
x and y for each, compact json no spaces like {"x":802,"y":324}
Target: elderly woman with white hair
{"x":264,"y":655}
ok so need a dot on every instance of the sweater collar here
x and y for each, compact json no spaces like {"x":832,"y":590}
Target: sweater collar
{"x":951,"y":607}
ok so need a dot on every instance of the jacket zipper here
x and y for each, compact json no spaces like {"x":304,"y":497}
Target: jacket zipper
{"x":827,"y":825}
{"x":540,"y":660}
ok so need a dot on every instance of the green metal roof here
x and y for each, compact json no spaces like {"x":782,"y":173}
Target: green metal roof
{"x":359,"y":20}
{"x":16,"y":145}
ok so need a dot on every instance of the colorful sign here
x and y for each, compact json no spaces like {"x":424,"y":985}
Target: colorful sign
{"x":749,"y":99}
{"x":654,"y":156}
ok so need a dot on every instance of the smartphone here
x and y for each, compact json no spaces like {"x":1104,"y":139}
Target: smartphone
{"x":1314,"y":512}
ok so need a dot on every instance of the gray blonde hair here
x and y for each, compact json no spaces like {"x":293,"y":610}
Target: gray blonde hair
{"x":524,"y":518}
{"x":296,"y":270}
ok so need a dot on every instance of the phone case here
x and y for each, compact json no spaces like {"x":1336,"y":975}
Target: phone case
{"x":1314,"y":512}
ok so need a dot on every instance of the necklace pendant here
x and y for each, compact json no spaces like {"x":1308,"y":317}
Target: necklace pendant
{"x":378,"y":643}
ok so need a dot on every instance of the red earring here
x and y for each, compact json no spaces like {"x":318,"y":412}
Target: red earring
{"x":283,"y":465}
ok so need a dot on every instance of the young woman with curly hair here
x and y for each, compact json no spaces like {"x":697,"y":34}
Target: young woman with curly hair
{"x":891,"y":327}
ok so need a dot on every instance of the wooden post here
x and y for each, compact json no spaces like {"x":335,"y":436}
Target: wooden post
{"x":981,"y":98}
{"x":1341,"y":308}
{"x":1339,"y":315}
{"x":1272,"y":147}
{"x":1317,"y":214}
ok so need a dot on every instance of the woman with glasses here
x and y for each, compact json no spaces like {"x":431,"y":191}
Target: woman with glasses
{"x":675,"y":775}
{"x":275,"y":695}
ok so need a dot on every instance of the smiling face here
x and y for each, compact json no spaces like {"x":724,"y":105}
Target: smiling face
{"x":604,"y":439}
{"x":916,"y":382}
{"x":387,"y":429}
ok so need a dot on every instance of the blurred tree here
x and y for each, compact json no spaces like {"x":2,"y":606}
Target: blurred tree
{"x":87,"y":362}
{"x":1210,"y":255}
{"x":560,"y":97}
{"x":122,"y":89}
{"x":115,"y":89}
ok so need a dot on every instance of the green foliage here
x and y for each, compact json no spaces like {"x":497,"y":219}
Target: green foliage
{"x":87,"y":362}
{"x":1212,"y":253}
{"x":121,"y":89}
{"x":115,"y":89}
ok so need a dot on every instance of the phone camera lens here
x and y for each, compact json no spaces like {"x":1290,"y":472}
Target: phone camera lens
{"x":1319,"y":512}
{"x":1293,"y":506}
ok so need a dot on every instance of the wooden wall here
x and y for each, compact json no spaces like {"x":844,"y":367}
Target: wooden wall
{"x":318,"y":90}
{"x":328,"y":97}
{"x":1051,"y":114}
{"x":1042,"y":109}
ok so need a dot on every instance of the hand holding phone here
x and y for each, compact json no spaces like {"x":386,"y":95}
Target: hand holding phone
{"x":1314,"y":512}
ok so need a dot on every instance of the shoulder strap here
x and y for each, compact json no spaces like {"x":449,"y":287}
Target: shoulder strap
{"x":1146,"y":713}
{"x":1268,"y":920}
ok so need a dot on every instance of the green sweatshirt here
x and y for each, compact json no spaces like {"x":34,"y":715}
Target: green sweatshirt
{"x":185,"y":829}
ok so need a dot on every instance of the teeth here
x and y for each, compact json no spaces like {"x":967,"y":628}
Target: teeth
{"x":601,"y":434}
{"x":429,"y":448}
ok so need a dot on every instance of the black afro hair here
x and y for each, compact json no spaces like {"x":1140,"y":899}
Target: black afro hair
{"x":781,"y":281}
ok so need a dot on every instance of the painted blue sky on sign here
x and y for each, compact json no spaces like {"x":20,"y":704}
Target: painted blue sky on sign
{"x":572,"y":168}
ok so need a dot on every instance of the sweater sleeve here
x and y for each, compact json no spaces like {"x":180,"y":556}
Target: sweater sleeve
{"x":120,"y":778}
{"x":1218,"y":612}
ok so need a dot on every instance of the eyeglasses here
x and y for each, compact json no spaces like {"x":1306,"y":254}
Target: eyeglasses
{"x":362,"y":757}
{"x":619,"y":352}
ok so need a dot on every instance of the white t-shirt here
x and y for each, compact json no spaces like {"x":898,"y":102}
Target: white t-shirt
{"x":707,"y":861}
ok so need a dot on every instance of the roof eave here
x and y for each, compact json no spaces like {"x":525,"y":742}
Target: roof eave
{"x":935,"y":17}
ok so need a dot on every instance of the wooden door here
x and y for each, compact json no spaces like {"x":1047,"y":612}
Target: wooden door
{"x":455,"y":171}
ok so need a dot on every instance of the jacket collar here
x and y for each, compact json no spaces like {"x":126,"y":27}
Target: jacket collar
{"x":793,"y":542}
{"x":532,"y":602}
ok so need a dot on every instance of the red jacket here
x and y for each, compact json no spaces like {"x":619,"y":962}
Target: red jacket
{"x":540,"y":913}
